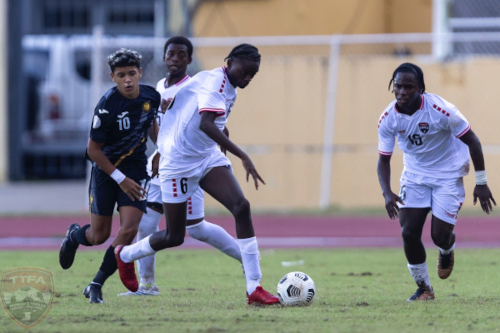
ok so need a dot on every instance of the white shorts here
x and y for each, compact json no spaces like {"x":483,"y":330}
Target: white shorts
{"x":180,"y":189}
{"x":444,"y":196}
{"x":195,"y":203}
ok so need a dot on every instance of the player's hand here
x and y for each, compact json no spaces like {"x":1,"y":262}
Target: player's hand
{"x":250,"y":169}
{"x":164,"y":105}
{"x":391,"y":205}
{"x":155,"y":165}
{"x":483,"y":193}
{"x":132,"y":189}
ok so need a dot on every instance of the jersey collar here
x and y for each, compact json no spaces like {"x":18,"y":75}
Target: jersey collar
{"x":182,"y":80}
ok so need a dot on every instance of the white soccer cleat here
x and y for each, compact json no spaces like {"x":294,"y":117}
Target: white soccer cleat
{"x":144,"y":290}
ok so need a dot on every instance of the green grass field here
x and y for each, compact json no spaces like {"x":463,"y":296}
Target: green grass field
{"x":204,"y":291}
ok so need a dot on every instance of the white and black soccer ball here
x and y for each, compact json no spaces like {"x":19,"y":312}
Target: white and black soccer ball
{"x":296,"y":289}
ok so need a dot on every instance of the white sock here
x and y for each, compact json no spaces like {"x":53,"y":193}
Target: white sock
{"x":447,"y":251}
{"x":146,"y":266}
{"x":420,"y":275}
{"x":216,"y":236}
{"x":250,"y":257}
{"x":137,"y":250}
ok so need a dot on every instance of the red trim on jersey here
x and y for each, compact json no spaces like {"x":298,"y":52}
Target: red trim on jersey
{"x":182,"y":80}
{"x":220,"y":112}
{"x":464,"y":131}
{"x":422,"y":102}
{"x":223,"y":80}
{"x":384,"y":153}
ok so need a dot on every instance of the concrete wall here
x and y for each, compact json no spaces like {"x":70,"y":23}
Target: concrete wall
{"x":311,"y":17}
{"x":279,"y":119}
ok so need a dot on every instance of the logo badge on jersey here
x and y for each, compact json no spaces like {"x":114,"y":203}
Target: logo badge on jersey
{"x":96,"y":122}
{"x":424,"y":127}
{"x":146,"y":107}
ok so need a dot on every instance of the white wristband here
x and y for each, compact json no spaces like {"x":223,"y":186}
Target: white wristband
{"x":118,"y":176}
{"x":481,"y":178}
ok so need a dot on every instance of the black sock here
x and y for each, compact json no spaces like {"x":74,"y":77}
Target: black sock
{"x":108,"y":267}
{"x":79,"y":236}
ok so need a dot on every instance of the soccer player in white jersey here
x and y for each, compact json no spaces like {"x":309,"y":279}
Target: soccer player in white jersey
{"x":436,"y":140}
{"x":177,"y":55}
{"x":188,"y":138}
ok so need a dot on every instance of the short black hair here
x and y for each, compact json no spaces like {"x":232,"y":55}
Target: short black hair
{"x":244,"y":51}
{"x":123,"y":58}
{"x":408,"y":67}
{"x":179,"y":40}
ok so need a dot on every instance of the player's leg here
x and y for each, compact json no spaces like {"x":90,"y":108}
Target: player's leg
{"x":202,"y":230}
{"x":148,"y":225}
{"x":176,"y":191}
{"x":447,"y":199}
{"x":416,"y":196}
{"x":444,"y":238}
{"x":171,"y":237}
{"x":146,"y":266}
{"x":102,"y":197}
{"x":221,"y":184}
{"x":129,"y":220}
{"x":412,"y":221}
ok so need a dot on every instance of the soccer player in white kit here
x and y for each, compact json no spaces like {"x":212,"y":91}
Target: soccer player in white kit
{"x":188,"y":138}
{"x":177,"y":55}
{"x":436,"y":140}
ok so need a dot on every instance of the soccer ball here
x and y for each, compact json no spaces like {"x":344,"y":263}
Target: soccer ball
{"x":296,"y":289}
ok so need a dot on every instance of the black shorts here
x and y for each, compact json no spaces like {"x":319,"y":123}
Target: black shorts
{"x":104,"y":192}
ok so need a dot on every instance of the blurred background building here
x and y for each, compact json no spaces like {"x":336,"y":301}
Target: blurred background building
{"x":309,"y":117}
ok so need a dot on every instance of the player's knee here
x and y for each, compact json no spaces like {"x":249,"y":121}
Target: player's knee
{"x":242,"y":207}
{"x":440,"y":239}
{"x":197,"y":231}
{"x":128,"y":234}
{"x":410,"y":235}
{"x":175,"y":240}
{"x":99,"y":239}
{"x":146,"y":229}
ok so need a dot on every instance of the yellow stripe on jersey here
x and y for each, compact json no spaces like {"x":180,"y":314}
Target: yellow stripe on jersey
{"x":129,"y":153}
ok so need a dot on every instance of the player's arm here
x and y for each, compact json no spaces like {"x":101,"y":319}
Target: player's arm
{"x":153,"y":135}
{"x":384,"y":178}
{"x":481,"y":191}
{"x":153,"y":131}
{"x":207,"y":125}
{"x":128,"y":185}
{"x":226,"y":133}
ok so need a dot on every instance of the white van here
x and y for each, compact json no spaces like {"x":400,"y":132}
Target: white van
{"x":57,"y":69}
{"x":61,"y":91}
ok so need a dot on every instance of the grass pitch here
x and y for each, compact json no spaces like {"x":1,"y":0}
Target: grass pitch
{"x":204,"y":291}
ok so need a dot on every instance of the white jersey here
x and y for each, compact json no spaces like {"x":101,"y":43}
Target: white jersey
{"x":428,"y":138}
{"x":167,"y":94}
{"x":182,"y":144}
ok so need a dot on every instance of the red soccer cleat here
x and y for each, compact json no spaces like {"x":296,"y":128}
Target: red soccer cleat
{"x":262,"y":297}
{"x":127,"y":271}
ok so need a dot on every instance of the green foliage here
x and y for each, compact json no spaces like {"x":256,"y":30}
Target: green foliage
{"x":204,"y":291}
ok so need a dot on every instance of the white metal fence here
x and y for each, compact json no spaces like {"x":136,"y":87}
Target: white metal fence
{"x":303,"y":91}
